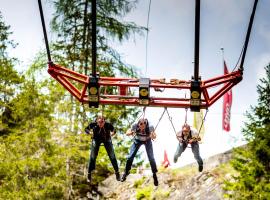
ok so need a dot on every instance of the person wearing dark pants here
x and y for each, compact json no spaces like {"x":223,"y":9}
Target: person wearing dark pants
{"x":102,"y":132}
{"x":143,"y":135}
{"x":189,"y":136}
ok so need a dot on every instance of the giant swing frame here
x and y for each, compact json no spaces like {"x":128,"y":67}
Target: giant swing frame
{"x":87,"y":89}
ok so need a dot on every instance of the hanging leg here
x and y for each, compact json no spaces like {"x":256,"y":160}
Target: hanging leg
{"x":150,"y":155}
{"x":133,"y":151}
{"x":93,"y":156}
{"x":196,"y":151}
{"x":110,"y":151}
{"x":180,"y":149}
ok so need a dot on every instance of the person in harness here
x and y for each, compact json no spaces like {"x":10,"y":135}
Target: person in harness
{"x":188,"y":136}
{"x":102,"y":132}
{"x":143,"y":134}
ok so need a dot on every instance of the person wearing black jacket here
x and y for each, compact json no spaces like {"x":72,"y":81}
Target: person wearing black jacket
{"x":102,"y":132}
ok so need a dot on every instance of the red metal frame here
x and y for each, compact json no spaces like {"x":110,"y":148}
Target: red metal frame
{"x":77,"y":84}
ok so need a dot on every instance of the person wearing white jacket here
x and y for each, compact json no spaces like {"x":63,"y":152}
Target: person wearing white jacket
{"x":187,"y":136}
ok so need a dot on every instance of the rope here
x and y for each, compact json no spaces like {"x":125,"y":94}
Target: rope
{"x":203,"y":121}
{"x":165,"y":108}
{"x":140,"y":116}
{"x":240,"y":56}
{"x":170,"y":118}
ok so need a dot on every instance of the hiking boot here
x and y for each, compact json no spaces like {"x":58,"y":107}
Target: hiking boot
{"x":200,"y":168}
{"x":124,"y":177}
{"x":89,"y":177}
{"x":155,"y":179}
{"x":117,"y":175}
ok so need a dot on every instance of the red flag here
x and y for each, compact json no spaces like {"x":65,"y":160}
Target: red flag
{"x":227,"y":104}
{"x":165,"y":162}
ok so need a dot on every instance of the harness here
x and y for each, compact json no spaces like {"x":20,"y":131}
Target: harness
{"x":145,"y":135}
{"x":189,"y":137}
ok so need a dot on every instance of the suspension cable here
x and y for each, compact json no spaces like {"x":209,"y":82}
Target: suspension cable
{"x":94,"y":36}
{"x":239,"y":58}
{"x":165,"y":108}
{"x":248,"y":34}
{"x":186,"y":116}
{"x":186,"y":110}
{"x":85,"y":36}
{"x":146,"y":43}
{"x":44,"y":31}
{"x":170,"y":118}
{"x":140,"y":116}
{"x":197,"y":40}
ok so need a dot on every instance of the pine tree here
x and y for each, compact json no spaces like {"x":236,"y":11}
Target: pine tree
{"x":10,"y":78}
{"x":32,"y":165}
{"x":72,"y":24}
{"x":253,"y":162}
{"x":72,"y":49}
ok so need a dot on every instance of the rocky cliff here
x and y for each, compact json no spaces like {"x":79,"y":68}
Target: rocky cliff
{"x":174,"y":184}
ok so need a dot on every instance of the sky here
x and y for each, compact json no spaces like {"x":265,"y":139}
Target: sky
{"x":170,"y":54}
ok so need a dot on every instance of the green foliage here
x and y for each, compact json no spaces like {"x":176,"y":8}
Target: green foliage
{"x":10,"y":78}
{"x":5,"y":42}
{"x":253,"y":162}
{"x":73,"y":26}
{"x":161,"y":194}
{"x":223,"y":172}
{"x":139,"y":182}
{"x":43,"y":151}
{"x":32,"y":165}
{"x":71,"y":22}
{"x":148,"y":192}
{"x":144,"y":193}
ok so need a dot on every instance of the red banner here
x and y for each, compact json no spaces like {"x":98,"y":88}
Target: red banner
{"x":227,"y":104}
{"x":165,"y":162}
